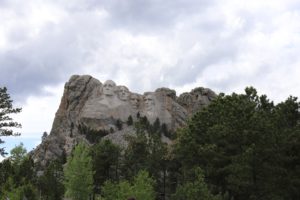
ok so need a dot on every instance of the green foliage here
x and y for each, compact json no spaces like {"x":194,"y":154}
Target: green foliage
{"x":6,"y":122}
{"x":92,"y":135}
{"x":244,"y":145}
{"x":79,"y":174}
{"x":18,"y":153}
{"x":130,"y":121}
{"x":23,"y":166}
{"x":164,"y":130}
{"x":155,"y":126}
{"x":50,"y":184}
{"x":106,"y":158}
{"x":136,"y":155}
{"x":157,"y":163}
{"x":6,"y":171}
{"x":195,"y":190}
{"x":25,"y":173}
{"x":111,"y":130}
{"x":116,"y":191}
{"x":141,"y":188}
{"x":18,"y":176}
{"x":119,"y":124}
{"x":146,"y":151}
{"x":27,"y":191}
{"x":145,"y":124}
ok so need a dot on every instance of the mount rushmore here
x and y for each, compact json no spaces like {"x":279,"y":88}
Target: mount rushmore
{"x":88,"y":102}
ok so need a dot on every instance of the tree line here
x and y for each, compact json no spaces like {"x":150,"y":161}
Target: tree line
{"x":241,"y":146}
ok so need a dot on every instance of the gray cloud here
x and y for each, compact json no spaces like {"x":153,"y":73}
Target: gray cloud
{"x":47,"y":60}
{"x":144,"y":15}
{"x":65,"y":48}
{"x":146,"y":44}
{"x":153,"y":15}
{"x":155,"y":43}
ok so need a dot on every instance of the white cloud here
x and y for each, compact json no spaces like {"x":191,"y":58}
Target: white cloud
{"x":38,"y":112}
{"x":225,"y":46}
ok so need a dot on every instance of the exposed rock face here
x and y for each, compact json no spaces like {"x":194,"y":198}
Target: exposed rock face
{"x":196,"y":99}
{"x":98,"y":106}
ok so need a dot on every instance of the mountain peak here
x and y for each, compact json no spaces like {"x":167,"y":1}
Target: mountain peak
{"x":87,"y":102}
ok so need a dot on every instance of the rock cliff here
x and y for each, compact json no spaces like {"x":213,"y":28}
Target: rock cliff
{"x":88,"y":103}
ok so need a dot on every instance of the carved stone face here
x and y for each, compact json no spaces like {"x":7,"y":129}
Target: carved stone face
{"x":134,"y":100}
{"x":123,"y":93}
{"x":149,"y":102}
{"x":109,"y":88}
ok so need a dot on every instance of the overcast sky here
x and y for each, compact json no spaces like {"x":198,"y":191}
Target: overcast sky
{"x":224,"y":45}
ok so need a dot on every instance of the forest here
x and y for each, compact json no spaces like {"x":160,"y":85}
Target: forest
{"x":239,"y":147}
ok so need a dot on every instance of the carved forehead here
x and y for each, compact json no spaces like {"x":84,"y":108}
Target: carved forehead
{"x":122,"y":87}
{"x":109,"y":82}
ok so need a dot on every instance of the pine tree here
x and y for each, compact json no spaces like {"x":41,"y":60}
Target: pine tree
{"x":18,"y":154}
{"x":195,"y":190}
{"x":79,"y":174}
{"x":164,"y":130}
{"x":119,"y":124}
{"x":18,"y":176}
{"x":45,"y":135}
{"x":142,"y":187}
{"x":6,"y":122}
{"x":246,"y":146}
{"x":130,"y":121}
{"x":111,"y":130}
{"x":106,"y":156}
{"x":156,"y":125}
{"x":136,"y":155}
{"x":50,"y":183}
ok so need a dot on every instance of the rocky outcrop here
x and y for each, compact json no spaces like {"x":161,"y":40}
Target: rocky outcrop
{"x":197,"y":99}
{"x":87,"y":102}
